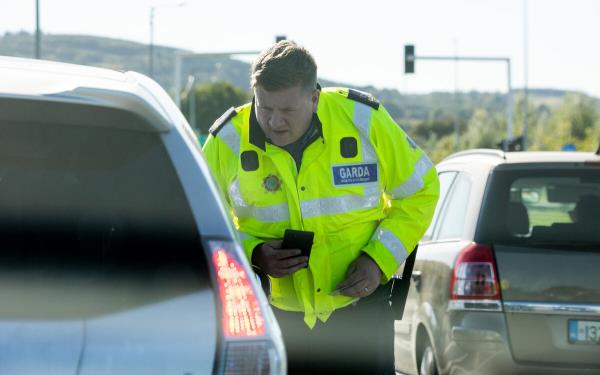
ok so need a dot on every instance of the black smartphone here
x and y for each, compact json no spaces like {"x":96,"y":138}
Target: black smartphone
{"x":298,"y":239}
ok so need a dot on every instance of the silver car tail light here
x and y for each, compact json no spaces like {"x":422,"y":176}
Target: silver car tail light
{"x":474,"y":283}
{"x":246,"y":346}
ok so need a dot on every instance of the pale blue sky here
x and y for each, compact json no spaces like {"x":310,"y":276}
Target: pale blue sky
{"x":359,"y":42}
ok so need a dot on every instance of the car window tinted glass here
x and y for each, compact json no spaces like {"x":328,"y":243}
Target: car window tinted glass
{"x":98,"y":209}
{"x":544,"y":206}
{"x":446,"y":179}
{"x":452,"y":219}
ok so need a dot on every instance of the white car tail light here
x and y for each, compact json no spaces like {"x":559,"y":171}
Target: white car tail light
{"x":474,"y":283}
{"x":247,"y":347}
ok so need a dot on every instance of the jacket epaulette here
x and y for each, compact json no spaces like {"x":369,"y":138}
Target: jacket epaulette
{"x":363,"y":97}
{"x":221,"y":121}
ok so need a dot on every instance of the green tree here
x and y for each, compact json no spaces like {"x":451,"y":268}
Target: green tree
{"x":483,"y":131}
{"x":540,"y":124}
{"x":576,"y":121}
{"x":438,"y":148}
{"x":441,"y":127}
{"x":211,"y":101}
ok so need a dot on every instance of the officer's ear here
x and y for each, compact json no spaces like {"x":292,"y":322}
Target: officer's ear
{"x":315,"y":99}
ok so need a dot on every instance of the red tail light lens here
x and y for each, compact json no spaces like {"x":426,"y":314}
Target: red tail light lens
{"x":474,"y":276}
{"x":241,"y":313}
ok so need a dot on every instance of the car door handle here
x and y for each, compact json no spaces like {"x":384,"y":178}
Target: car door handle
{"x":416,"y":278}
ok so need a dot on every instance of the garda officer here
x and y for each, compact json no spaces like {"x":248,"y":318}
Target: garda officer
{"x":331,"y":161}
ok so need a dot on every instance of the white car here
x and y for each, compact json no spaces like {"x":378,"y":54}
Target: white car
{"x":117,"y":253}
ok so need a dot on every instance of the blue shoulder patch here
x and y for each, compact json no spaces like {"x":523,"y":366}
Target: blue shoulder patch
{"x":221,"y":121}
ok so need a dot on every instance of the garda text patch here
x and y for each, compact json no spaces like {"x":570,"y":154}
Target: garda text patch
{"x":354,"y":174}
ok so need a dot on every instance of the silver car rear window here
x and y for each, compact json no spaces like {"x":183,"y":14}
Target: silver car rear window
{"x":542,"y":206}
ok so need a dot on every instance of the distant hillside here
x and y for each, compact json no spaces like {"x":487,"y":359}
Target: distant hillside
{"x":126,"y":55}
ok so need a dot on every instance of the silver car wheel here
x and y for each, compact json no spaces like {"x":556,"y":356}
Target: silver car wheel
{"x":428,"y":365}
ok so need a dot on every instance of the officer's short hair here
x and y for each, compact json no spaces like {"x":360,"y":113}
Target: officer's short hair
{"x":285,"y":64}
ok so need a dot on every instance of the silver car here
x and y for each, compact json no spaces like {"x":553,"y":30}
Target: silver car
{"x":507,"y":278}
{"x":117,"y":254}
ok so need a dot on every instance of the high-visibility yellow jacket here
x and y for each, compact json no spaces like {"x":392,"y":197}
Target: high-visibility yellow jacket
{"x":363,"y":186}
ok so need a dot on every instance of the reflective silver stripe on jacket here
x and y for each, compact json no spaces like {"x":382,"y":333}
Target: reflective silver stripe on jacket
{"x":392,"y":243}
{"x":342,"y":204}
{"x":415,"y":181}
{"x":268,"y":214}
{"x":231,"y":138}
{"x":362,"y":121}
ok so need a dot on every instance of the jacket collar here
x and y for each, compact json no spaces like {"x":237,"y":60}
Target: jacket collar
{"x":256,"y":136}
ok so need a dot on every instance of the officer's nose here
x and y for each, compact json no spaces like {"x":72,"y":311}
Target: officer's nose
{"x":276,"y":121}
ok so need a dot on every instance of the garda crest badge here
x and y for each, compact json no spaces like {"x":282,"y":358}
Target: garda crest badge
{"x":353,"y":174}
{"x":272,"y":183}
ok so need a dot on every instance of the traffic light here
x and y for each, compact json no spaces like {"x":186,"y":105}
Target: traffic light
{"x":409,"y":58}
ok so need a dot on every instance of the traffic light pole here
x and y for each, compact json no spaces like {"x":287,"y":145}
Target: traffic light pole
{"x":509,"y":101}
{"x":179,"y":62}
{"x":179,"y":57}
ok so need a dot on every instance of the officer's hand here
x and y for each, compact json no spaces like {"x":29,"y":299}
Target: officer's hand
{"x":278,"y":262}
{"x":362,"y":278}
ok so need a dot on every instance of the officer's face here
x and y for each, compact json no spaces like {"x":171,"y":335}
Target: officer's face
{"x":285,"y":115}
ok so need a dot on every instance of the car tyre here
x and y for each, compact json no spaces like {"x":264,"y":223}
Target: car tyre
{"x":428,"y":365}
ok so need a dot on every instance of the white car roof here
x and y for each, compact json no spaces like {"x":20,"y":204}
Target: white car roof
{"x":35,"y":81}
{"x":493,"y":157}
{"x":550,"y":157}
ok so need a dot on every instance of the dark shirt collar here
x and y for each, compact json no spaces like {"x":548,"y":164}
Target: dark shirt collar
{"x":296,"y":149}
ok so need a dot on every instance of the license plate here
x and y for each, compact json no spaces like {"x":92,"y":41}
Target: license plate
{"x":584,"y":332}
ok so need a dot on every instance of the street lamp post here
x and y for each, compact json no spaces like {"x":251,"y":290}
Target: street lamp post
{"x":151,"y":55}
{"x":525,"y":79}
{"x":38,"y":33}
{"x":151,"y":46}
{"x":456,"y":109}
